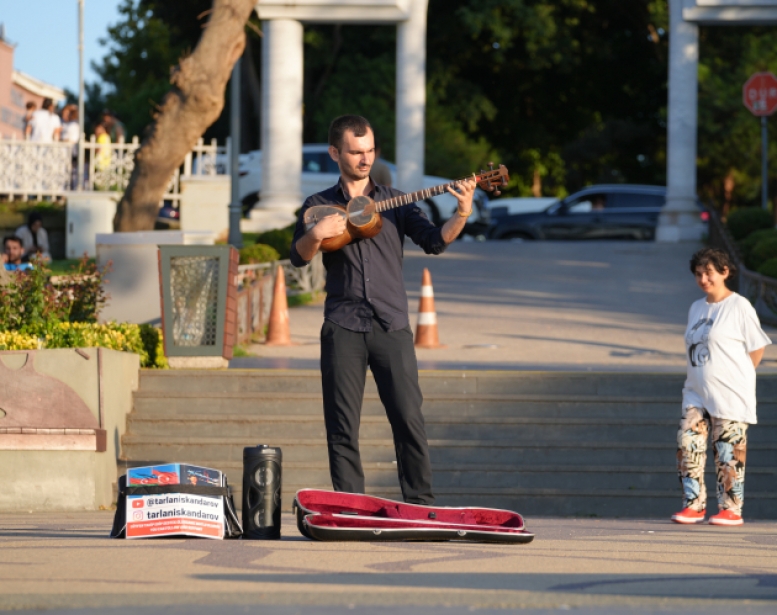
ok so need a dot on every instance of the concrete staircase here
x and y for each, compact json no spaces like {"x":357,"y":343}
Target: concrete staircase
{"x":541,"y":443}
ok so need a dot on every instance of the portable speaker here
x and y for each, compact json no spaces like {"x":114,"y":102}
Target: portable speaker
{"x":262,"y":492}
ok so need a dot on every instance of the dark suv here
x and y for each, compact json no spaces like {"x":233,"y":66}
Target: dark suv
{"x":597,"y":212}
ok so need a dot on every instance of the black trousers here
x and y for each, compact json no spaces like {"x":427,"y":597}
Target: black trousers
{"x":345,"y":356}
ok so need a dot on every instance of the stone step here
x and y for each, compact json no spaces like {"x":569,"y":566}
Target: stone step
{"x":273,"y":427}
{"x":550,"y":406}
{"x":161,"y":449}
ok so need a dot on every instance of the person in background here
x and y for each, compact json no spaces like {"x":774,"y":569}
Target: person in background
{"x":30,"y":108}
{"x":12,"y":255}
{"x":34,"y":238}
{"x":724,"y":345}
{"x":380,"y":172}
{"x":113,"y":126}
{"x":71,"y":133}
{"x":103,"y":153}
{"x":45,"y":125}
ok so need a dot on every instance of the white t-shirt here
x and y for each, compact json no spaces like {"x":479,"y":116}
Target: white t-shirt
{"x":718,"y":340}
{"x":43,"y":126}
{"x":70,"y":132}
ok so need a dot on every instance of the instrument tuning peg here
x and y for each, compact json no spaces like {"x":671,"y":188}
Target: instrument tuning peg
{"x":497,"y":192}
{"x":491,"y":166}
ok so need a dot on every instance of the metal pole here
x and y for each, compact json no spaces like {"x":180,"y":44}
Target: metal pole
{"x":764,"y":164}
{"x":80,"y":185}
{"x":235,"y":207}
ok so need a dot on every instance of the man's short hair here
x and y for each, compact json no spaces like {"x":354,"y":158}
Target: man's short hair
{"x":12,"y":238}
{"x":714,"y":257}
{"x":47,"y":103}
{"x":33,"y":217}
{"x":357,"y":124}
{"x":30,"y":105}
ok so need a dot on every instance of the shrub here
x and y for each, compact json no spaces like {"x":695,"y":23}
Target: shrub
{"x":747,"y":245}
{"x":258,"y":253}
{"x":143,"y":340}
{"x":31,"y":304}
{"x":280,"y":239}
{"x":769,"y":268}
{"x":762,"y":252}
{"x":745,"y":221}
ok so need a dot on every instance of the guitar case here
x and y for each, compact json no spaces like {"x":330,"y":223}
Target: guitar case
{"x":337,"y":516}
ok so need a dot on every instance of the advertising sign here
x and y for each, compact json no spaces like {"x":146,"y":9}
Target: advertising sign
{"x":174,"y":514}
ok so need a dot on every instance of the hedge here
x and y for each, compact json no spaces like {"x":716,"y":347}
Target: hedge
{"x":748,"y":244}
{"x":763,"y":251}
{"x":769,"y":268}
{"x":743,"y":222}
{"x":143,"y":340}
{"x":258,"y":253}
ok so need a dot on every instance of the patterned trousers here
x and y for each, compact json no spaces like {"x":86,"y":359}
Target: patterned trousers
{"x":729,"y":443}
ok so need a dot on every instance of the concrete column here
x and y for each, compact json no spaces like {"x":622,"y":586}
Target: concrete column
{"x":411,"y":97}
{"x":282,"y":74}
{"x":679,"y":220}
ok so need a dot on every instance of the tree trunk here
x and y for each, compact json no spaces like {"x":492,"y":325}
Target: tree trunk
{"x":194,"y":103}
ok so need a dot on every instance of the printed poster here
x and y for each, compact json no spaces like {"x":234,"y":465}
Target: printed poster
{"x":174,"y":514}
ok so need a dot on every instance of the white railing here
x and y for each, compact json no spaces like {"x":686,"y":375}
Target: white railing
{"x":31,"y":170}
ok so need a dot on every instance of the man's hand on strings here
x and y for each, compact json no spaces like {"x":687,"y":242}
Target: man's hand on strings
{"x":464,"y":191}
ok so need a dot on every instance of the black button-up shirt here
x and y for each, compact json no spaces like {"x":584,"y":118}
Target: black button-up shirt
{"x":364,"y":278}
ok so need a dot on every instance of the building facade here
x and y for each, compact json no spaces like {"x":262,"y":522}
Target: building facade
{"x":16,"y":90}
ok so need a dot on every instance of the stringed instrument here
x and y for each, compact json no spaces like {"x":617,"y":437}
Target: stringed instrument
{"x":362,"y":214}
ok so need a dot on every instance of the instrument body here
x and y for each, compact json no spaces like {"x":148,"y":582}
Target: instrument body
{"x":362,"y":214}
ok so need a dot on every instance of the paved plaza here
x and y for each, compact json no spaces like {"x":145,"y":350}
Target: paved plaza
{"x":597,"y":306}
{"x":66,"y":561}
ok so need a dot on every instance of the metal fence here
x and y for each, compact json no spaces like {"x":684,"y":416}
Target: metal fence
{"x":255,"y":291}
{"x":30,"y":170}
{"x":759,"y":289}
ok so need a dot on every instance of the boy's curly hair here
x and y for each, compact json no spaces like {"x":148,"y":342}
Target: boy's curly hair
{"x":716,"y":258}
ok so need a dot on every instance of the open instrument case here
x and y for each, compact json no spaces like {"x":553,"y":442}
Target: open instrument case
{"x":335,"y":516}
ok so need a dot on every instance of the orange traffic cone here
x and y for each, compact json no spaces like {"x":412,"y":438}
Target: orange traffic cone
{"x":278,"y":333}
{"x":426,"y":331}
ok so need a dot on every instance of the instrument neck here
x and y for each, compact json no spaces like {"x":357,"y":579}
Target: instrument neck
{"x":412,"y":197}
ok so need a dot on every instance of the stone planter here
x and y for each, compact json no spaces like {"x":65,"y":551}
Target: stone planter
{"x":62,"y":415}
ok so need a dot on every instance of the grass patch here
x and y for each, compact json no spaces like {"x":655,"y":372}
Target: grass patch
{"x":66,"y":265}
{"x":241,"y":351}
{"x":303,"y":299}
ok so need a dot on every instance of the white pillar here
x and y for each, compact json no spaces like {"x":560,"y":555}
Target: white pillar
{"x":411,"y":97}
{"x":679,"y":220}
{"x":282,"y":71}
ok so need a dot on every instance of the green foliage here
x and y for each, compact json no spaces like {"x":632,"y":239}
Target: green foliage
{"x":258,"y":253}
{"x":729,"y":135}
{"x":769,"y":268}
{"x":300,"y":299}
{"x":280,"y":239}
{"x":115,"y":336}
{"x":762,"y":252}
{"x":31,"y":304}
{"x":153,"y":346}
{"x":747,"y":244}
{"x":745,"y":221}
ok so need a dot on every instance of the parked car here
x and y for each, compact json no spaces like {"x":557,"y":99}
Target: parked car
{"x":597,"y":212}
{"x":320,"y":172}
{"x":519,"y":205}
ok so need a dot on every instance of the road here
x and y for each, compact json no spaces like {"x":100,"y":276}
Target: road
{"x":539,"y":305}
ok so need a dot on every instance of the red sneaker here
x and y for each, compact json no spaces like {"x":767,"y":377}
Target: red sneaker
{"x":726,"y":517}
{"x":688,"y":516}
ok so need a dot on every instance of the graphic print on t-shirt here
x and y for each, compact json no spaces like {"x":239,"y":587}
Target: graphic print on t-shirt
{"x":696,"y":340}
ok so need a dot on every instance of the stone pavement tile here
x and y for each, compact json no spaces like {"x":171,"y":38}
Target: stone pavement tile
{"x":539,"y":305}
{"x":65,"y":561}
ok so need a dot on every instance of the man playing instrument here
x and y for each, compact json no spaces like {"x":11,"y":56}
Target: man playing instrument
{"x":366,"y":314}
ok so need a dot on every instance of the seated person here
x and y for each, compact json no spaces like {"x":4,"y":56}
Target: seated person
{"x":12,"y":255}
{"x":598,"y":202}
{"x":35,"y":239}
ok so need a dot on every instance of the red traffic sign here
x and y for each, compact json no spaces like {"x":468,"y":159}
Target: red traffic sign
{"x":760,"y":94}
